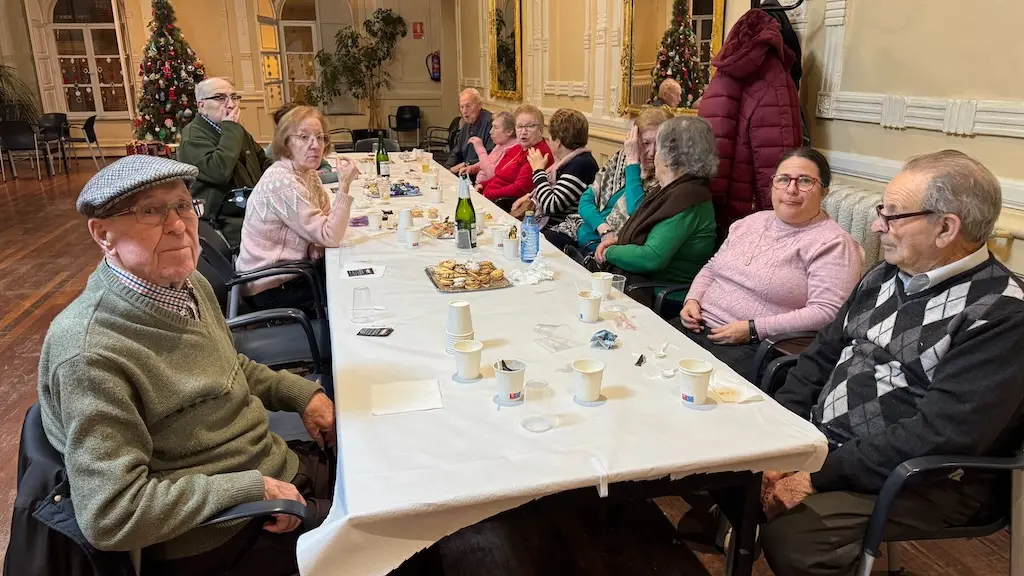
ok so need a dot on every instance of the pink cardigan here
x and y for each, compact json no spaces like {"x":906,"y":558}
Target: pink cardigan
{"x":786,"y":279}
{"x":289,"y":217}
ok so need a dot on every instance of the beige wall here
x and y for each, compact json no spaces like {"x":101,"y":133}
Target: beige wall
{"x":13,"y":40}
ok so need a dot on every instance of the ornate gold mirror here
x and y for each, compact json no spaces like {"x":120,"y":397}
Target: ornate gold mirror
{"x":668,"y":39}
{"x":506,"y":50}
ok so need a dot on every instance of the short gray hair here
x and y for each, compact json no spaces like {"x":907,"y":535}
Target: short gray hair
{"x":473,"y":93}
{"x":687,"y":146}
{"x":963,"y":186}
{"x":506,"y":120}
{"x":205,"y":88}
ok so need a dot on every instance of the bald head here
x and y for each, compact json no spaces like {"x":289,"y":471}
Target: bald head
{"x":671,"y":93}
{"x":470,"y":104}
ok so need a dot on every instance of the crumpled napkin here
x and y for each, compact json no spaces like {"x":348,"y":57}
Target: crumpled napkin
{"x":604,"y":339}
{"x":536,"y":273}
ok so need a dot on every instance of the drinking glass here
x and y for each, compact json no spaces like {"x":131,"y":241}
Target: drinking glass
{"x":362,"y":306}
{"x":538,"y":417}
{"x":424,"y":161}
{"x":617,"y":294}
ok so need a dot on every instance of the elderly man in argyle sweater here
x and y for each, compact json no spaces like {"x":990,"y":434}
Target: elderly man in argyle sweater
{"x":924,"y":358}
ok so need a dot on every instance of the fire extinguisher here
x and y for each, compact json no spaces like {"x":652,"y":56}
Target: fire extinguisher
{"x":433,"y":63}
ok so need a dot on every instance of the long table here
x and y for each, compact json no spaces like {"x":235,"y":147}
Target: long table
{"x":407,"y":480}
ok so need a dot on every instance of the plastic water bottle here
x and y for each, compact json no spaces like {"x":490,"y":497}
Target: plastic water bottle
{"x":530,"y":245}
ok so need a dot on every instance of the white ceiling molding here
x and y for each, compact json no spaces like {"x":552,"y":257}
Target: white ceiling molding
{"x":883,"y":170}
{"x":571,"y":88}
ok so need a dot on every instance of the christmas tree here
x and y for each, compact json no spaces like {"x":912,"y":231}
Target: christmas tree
{"x":678,"y":57}
{"x":169,"y":72}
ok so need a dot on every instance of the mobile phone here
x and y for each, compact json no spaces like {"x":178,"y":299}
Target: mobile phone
{"x":381,"y":332}
{"x":360,"y":272}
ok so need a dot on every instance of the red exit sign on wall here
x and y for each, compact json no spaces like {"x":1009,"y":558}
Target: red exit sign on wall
{"x":417,"y":30}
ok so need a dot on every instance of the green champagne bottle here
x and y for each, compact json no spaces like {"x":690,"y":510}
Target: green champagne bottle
{"x":383,"y":162}
{"x":465,"y":219}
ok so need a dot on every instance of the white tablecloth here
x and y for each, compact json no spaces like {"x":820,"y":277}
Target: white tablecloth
{"x":407,"y":480}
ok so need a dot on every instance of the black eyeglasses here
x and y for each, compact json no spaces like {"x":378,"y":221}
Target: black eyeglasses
{"x":156,"y":214}
{"x":223,"y":97}
{"x":803,"y":183}
{"x":886,"y":218}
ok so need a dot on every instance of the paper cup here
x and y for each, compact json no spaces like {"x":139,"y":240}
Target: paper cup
{"x":586,"y":379}
{"x":467,"y":359}
{"x":694,"y":376}
{"x":601,"y":282}
{"x":481,"y":220}
{"x":374,"y":219}
{"x":510,"y":247}
{"x":590,"y":305}
{"x":510,"y":382}
{"x":498,"y":236}
{"x":459,"y":319}
{"x":412,"y":238}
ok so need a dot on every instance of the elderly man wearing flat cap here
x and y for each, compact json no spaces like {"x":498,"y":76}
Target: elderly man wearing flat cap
{"x":160,"y":421}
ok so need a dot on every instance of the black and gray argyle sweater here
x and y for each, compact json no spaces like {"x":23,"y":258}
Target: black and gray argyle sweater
{"x":897,"y":376}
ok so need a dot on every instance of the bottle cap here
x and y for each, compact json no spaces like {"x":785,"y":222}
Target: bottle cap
{"x":529,"y":212}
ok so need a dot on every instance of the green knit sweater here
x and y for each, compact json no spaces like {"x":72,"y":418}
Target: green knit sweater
{"x":160,"y":421}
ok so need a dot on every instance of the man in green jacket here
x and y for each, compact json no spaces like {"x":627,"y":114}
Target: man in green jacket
{"x":160,"y":421}
{"x":227,"y":156}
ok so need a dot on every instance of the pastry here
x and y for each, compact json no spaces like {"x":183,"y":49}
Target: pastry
{"x":446,"y":282}
{"x":417,"y":213}
{"x":459,"y":282}
{"x":432,"y":213}
{"x":447,"y":264}
{"x":471,"y":285}
{"x":497,"y":274}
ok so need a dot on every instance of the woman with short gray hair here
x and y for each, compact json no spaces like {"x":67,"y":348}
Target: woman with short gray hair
{"x":671,"y":235}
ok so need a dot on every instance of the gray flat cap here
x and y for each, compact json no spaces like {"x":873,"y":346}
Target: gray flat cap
{"x":128,"y":176}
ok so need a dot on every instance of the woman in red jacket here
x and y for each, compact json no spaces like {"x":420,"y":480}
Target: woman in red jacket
{"x":512,"y":175}
{"x":754,"y":109}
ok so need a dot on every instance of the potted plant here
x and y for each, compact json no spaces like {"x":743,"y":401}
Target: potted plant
{"x":16,"y":99}
{"x":359,"y":63}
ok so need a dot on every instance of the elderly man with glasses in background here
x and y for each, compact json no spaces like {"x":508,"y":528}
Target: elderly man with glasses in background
{"x":160,"y":422}
{"x":476,"y":123}
{"x":226,"y":154}
{"x":922,"y":359}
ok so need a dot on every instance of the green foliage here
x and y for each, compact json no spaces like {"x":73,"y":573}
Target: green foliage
{"x":506,"y":51}
{"x":169,"y":71}
{"x":359,"y":62}
{"x":679,"y":58}
{"x":17,"y":102}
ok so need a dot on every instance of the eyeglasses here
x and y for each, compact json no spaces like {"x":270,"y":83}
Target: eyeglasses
{"x":221,"y":98}
{"x":886,"y":218}
{"x":803,"y":183}
{"x":156,"y":214}
{"x":526,"y":126}
{"x":322,"y":139}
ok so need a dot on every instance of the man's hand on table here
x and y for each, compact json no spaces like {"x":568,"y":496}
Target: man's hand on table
{"x":782,"y":492}
{"x":274,"y":489}
{"x":318,"y":417}
{"x":458,"y":167}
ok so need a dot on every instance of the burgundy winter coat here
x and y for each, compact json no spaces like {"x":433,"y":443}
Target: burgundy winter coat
{"x":754,"y":108}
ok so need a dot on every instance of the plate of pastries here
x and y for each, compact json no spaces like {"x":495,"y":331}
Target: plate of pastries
{"x":452,"y":276}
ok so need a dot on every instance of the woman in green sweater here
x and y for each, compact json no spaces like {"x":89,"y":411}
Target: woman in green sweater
{"x":671,"y":235}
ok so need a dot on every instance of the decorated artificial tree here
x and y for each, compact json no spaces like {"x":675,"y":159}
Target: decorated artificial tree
{"x":169,"y":72}
{"x":679,"y":58}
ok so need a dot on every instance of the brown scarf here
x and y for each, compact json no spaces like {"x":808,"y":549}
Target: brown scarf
{"x":663,"y":204}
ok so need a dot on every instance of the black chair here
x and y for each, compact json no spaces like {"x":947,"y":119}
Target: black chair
{"x":366,"y":145}
{"x":54,"y":127}
{"x":343,"y":140}
{"x":405,"y":119}
{"x":772,"y":347}
{"x":440,"y":141}
{"x":999,"y":517}
{"x":21,"y":136}
{"x":88,"y":129}
{"x":54,"y":547}
{"x":657,"y":302}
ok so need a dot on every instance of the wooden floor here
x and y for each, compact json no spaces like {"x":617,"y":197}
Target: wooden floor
{"x":46,"y":256}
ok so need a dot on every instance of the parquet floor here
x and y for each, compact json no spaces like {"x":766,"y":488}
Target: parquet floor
{"x":46,"y":256}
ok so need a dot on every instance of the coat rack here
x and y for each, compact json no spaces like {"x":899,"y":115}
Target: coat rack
{"x":757,"y":4}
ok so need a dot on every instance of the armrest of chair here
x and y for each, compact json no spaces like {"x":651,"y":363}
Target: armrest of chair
{"x":263,"y":508}
{"x":292,"y":314}
{"x":269,"y":272}
{"x":797,"y":339}
{"x":659,"y":300}
{"x":899,"y":477}
{"x":776,"y":370}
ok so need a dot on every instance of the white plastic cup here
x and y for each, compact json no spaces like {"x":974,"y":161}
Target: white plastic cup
{"x":467,"y":359}
{"x":586,"y":379}
{"x":412,"y":238}
{"x":436,"y":192}
{"x":498,"y":236}
{"x":590,"y":305}
{"x":510,"y":247}
{"x":430,"y":179}
{"x":481,"y":220}
{"x":460,"y":321}
{"x":510,"y":382}
{"x":404,"y":223}
{"x":374,"y":220}
{"x":601,"y":282}
{"x":694,"y":378}
{"x":618,"y":287}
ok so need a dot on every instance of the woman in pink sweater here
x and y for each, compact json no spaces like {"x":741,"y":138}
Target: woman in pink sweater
{"x":783,"y":270}
{"x":289,"y":215}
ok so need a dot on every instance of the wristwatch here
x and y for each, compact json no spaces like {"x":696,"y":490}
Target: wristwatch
{"x":753,"y":332}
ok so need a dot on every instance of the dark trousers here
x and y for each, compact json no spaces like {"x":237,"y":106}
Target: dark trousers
{"x":558,"y":239}
{"x":295,"y":293}
{"x":822,"y":536}
{"x":739,"y":357}
{"x":254,"y":550}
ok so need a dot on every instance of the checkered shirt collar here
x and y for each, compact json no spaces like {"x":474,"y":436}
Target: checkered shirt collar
{"x":181,"y":301}
{"x":211,"y":122}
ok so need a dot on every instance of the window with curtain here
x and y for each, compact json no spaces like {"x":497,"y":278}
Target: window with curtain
{"x":89,"y":57}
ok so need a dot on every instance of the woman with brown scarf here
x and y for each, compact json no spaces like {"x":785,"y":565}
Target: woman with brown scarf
{"x":672,"y":234}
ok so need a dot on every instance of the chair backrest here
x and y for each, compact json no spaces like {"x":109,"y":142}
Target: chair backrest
{"x":453,"y":131}
{"x":854,"y":209}
{"x":214,"y":239}
{"x":408,"y":112}
{"x":53,"y":125}
{"x":342,"y":139}
{"x":213,"y":274}
{"x":366,"y":145}
{"x":17,"y":135}
{"x":90,"y":129}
